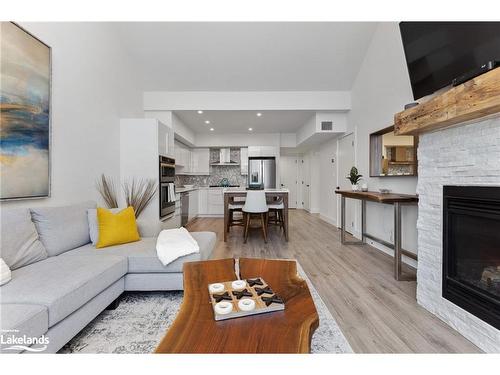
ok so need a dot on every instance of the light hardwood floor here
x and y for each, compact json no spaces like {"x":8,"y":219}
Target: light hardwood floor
{"x":376,"y":313}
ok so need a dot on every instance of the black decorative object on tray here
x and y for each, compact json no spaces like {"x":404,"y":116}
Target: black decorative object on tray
{"x":252,"y":282}
{"x":243,"y":293}
{"x":222,"y":297}
{"x":273,"y":299}
{"x":266,"y":290}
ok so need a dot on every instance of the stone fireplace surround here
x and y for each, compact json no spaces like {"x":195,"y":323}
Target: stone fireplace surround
{"x":466,"y":154}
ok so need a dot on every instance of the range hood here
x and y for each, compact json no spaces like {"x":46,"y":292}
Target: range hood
{"x":225,"y":157}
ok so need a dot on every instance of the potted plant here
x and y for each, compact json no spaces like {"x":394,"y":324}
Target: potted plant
{"x":354,"y":178}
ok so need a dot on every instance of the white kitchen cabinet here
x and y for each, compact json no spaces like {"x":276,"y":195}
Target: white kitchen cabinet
{"x":193,"y":205}
{"x":203,"y":201}
{"x":253,"y":151}
{"x":165,"y":140}
{"x":215,"y":201}
{"x":178,"y":154}
{"x":244,"y":160}
{"x":182,"y":159}
{"x":263,"y":151}
{"x":200,"y":161}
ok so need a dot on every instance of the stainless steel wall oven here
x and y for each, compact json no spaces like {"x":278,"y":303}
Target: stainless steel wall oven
{"x":167,"y":186}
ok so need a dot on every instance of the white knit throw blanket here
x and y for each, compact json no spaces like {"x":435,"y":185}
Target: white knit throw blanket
{"x":5,"y":274}
{"x":175,"y":243}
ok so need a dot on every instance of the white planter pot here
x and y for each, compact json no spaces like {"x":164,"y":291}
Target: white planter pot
{"x":355,"y":187}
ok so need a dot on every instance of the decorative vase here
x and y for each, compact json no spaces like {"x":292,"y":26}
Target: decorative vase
{"x":355,"y":187}
{"x":364,"y":187}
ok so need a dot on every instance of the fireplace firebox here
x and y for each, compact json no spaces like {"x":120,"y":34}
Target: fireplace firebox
{"x":471,"y":250}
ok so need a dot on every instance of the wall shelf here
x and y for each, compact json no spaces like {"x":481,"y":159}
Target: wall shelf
{"x":474,"y":99}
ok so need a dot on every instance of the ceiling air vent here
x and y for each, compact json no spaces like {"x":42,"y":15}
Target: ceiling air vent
{"x":327,"y":125}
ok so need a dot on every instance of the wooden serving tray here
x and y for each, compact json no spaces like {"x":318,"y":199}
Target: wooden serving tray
{"x":260,"y":304}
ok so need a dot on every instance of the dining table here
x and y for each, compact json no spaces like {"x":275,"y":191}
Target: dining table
{"x":239,"y":192}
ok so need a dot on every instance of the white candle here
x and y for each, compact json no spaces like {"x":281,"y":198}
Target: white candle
{"x":246,"y":304}
{"x":216,"y":288}
{"x":223,"y":307}
{"x":239,"y":284}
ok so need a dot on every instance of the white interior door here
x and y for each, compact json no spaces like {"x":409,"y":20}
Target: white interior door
{"x":289,"y":178}
{"x":306,"y":183}
{"x":346,"y":162}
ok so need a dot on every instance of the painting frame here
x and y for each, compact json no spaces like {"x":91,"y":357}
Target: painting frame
{"x":49,"y":123}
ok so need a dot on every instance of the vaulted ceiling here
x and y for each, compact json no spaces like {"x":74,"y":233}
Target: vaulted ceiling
{"x":246,"y":56}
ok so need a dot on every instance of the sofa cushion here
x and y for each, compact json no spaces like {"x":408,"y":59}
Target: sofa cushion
{"x":62,"y":228}
{"x":116,"y":229}
{"x":23,"y":319}
{"x":142,"y":256}
{"x":94,"y":226}
{"x":63,"y":284}
{"x":19,"y":242}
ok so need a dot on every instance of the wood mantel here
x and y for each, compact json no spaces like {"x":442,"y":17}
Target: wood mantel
{"x":474,"y":99}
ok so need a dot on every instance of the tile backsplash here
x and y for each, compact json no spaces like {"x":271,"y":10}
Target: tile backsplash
{"x":217,"y":173}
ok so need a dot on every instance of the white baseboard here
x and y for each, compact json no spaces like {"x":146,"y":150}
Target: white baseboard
{"x":328,"y":219}
{"x":411,"y":262}
{"x":377,"y":245}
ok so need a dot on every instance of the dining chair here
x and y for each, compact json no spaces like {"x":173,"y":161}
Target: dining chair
{"x":255,"y":205}
{"x":235,"y":205}
{"x":277,"y":207}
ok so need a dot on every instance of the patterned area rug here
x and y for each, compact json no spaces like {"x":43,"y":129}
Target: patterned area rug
{"x":142,"y":319}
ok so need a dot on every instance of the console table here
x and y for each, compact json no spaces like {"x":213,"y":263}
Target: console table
{"x":395,"y":199}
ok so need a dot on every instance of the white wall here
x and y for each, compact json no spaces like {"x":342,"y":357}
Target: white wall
{"x":247,"y":100}
{"x":380,"y":90}
{"x":306,"y":130}
{"x":92,"y":88}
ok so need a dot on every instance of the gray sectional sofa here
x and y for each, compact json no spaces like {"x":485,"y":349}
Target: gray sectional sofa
{"x":60,"y":281}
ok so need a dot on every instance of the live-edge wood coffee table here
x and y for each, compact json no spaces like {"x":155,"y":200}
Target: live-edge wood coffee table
{"x":289,"y":331}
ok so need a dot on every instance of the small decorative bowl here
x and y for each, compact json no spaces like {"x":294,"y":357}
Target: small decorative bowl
{"x":384,"y":191}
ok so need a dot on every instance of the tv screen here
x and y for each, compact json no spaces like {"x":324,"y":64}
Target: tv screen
{"x":438,"y":52}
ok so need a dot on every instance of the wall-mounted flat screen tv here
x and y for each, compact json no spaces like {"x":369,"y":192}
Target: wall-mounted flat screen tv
{"x":439,"y":52}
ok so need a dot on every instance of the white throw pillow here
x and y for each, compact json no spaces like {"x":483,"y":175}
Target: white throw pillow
{"x":5,"y":274}
{"x":94,"y":225}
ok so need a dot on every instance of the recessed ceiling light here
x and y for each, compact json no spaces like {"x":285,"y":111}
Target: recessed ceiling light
{"x":207,"y":121}
{"x":259,"y":114}
{"x":250,"y":129}
{"x":200,"y":112}
{"x":212,"y":129}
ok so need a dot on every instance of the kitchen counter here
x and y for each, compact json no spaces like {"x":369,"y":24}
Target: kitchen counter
{"x":185,"y":189}
{"x":244,"y":189}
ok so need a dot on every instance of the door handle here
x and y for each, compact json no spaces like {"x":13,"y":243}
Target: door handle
{"x":307,"y":185}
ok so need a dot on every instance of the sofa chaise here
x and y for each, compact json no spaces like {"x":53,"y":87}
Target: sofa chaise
{"x":60,"y":281}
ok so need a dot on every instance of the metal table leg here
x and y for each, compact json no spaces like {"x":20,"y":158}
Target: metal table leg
{"x":342,"y":223}
{"x":397,"y":241}
{"x":342,"y":220}
{"x":363,"y":220}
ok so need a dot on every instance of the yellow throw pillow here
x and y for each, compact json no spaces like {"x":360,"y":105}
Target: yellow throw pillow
{"x":115,"y":229}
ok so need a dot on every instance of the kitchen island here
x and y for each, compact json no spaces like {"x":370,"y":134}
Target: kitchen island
{"x":235,"y":192}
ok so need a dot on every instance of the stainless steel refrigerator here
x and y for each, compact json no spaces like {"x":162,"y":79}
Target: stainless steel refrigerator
{"x":261,"y":172}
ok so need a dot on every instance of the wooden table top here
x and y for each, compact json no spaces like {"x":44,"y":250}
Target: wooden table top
{"x":289,"y":331}
{"x":376,"y":196}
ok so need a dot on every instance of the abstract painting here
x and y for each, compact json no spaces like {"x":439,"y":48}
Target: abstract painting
{"x":25,"y":70}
